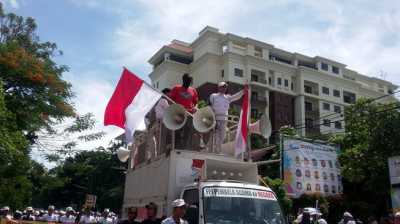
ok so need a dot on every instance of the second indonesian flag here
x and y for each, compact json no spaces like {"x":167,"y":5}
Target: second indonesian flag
{"x":131,"y":101}
{"x":241,"y":133}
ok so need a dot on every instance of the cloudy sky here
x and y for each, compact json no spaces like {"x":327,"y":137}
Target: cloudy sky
{"x":98,"y":37}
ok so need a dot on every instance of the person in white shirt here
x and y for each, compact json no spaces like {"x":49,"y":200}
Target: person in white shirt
{"x":50,"y":216}
{"x":87,"y":217}
{"x":178,"y":212}
{"x":162,"y":105}
{"x":105,"y":217}
{"x":163,"y":138}
{"x":69,"y":217}
{"x":220,"y":102}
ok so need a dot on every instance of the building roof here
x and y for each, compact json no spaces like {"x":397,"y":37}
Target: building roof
{"x":180,"y":47}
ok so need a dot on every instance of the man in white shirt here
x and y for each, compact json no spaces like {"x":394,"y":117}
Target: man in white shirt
{"x":69,"y":217}
{"x":163,"y":134}
{"x":220,"y":102}
{"x":50,"y":216}
{"x":87,"y":217}
{"x":105,"y":218}
{"x":178,"y":212}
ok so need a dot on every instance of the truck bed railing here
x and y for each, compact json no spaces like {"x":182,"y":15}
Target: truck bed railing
{"x":157,"y":140}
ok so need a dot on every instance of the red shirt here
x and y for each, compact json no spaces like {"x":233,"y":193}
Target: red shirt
{"x":188,"y":98}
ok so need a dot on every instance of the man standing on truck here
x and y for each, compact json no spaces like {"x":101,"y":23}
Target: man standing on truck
{"x":178,"y":212}
{"x":186,"y":96}
{"x":220,"y":102}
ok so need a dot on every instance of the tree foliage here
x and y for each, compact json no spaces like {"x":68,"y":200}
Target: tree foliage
{"x":88,"y":172}
{"x":14,"y":160}
{"x":372,"y":136}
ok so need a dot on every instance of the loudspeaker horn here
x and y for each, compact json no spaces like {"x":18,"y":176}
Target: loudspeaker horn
{"x":175,"y":117}
{"x":265,"y":126}
{"x":123,"y":154}
{"x":204,"y":120}
{"x":261,"y":127}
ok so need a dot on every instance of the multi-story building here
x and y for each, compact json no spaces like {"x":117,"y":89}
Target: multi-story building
{"x":308,"y":93}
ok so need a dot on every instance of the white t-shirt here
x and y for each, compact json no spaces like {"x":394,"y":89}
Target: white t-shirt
{"x":160,"y":108}
{"x":50,"y":218}
{"x":170,"y":220}
{"x":220,"y":104}
{"x":107,"y":220}
{"x":87,"y":219}
{"x":67,"y":219}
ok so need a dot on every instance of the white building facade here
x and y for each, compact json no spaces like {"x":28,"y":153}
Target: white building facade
{"x":308,"y":93}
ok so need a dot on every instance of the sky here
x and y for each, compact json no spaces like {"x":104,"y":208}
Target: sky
{"x":99,"y":37}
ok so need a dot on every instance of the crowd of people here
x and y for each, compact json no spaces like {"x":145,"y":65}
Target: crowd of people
{"x":88,"y":216}
{"x":314,"y":216}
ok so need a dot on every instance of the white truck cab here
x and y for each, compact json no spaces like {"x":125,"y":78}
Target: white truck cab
{"x":218,"y":189}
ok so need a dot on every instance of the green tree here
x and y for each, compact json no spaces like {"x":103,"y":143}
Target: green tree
{"x":14,"y":160}
{"x":278,"y":187}
{"x":372,"y":136}
{"x":87,"y":172}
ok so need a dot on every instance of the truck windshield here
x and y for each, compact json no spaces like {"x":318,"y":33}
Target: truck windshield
{"x":223,"y":205}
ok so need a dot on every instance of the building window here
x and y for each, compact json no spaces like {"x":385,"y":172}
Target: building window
{"x":308,"y":106}
{"x":349,"y":97}
{"x":286,"y":83}
{"x":324,"y":66}
{"x":325,"y":90}
{"x":326,"y":106}
{"x":327,"y":122}
{"x":157,"y":85}
{"x":254,"y":78}
{"x":337,"y":109}
{"x":291,"y":86}
{"x":390,"y":91}
{"x":238,"y":72}
{"x":308,"y":89}
{"x":254,"y":95}
{"x":258,"y":51}
{"x":254,"y":113}
{"x":279,"y":81}
{"x":309,"y":123}
{"x":270,"y":80}
{"x":338,"y":125}
{"x":336,"y":93}
{"x":335,"y":69}
{"x":222,"y":73}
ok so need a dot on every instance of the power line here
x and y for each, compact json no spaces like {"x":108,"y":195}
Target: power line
{"x":390,"y":109}
{"x":370,"y":100}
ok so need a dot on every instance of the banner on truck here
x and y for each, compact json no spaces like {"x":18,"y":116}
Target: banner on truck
{"x":310,"y":168}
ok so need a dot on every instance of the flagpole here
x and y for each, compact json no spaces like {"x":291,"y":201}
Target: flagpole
{"x":248,"y":123}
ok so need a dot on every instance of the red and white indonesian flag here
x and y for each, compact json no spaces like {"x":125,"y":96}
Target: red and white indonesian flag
{"x":241,"y":133}
{"x":131,"y":101}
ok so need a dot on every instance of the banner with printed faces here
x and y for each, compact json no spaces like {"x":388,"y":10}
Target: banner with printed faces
{"x":310,"y":168}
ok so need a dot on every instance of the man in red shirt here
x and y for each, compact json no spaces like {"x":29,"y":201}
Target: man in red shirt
{"x":185,"y":95}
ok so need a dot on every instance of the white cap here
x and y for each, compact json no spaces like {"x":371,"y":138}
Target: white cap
{"x":178,"y":203}
{"x":106,"y":210}
{"x":69,"y":209}
{"x":347,"y":214}
{"x":5,"y":208}
{"x":51,"y":207}
{"x":29,"y":208}
{"x":397,"y":215}
{"x":222,"y":84}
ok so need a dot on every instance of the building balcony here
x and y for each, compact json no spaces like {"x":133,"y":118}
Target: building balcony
{"x":259,"y":100}
{"x":258,"y":79}
{"x":312,"y":113}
